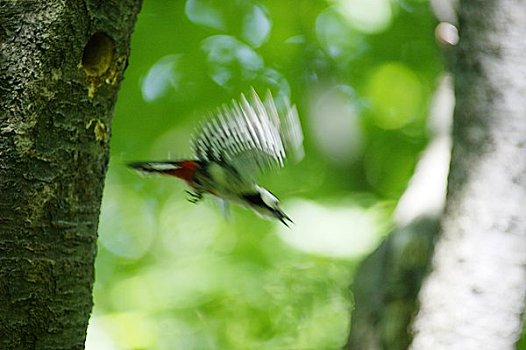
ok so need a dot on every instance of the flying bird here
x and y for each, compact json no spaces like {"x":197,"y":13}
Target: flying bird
{"x":239,"y":142}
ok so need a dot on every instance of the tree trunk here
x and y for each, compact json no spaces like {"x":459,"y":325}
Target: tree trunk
{"x":387,"y":282}
{"x":386,"y":286}
{"x":60,"y":68}
{"x":474,"y":297}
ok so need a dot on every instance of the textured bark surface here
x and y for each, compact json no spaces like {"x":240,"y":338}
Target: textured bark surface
{"x":474,"y":297}
{"x":60,"y":68}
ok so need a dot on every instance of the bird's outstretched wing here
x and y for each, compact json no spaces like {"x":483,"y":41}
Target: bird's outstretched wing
{"x":250,"y":136}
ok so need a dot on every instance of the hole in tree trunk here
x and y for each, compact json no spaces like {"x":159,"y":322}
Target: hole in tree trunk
{"x":98,"y":54}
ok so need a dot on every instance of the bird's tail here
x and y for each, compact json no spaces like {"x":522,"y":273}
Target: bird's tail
{"x":183,"y":169}
{"x":154,"y":167}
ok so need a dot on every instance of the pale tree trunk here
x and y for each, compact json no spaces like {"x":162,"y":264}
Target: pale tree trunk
{"x":475,"y":293}
{"x":474,"y":297}
{"x":61,"y":63}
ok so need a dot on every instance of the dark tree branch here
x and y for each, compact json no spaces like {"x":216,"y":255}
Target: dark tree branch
{"x":387,"y":282}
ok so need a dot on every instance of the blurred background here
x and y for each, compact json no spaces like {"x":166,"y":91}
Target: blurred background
{"x":174,"y":275}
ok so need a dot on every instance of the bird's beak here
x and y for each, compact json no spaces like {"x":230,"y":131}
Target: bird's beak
{"x":284,"y":218}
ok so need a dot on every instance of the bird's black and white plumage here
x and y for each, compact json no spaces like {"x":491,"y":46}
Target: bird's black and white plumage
{"x":241,"y":141}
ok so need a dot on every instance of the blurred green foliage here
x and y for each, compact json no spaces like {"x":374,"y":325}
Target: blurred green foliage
{"x":173,"y":275}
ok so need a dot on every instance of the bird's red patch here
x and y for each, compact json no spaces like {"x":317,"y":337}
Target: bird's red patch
{"x":185,"y":170}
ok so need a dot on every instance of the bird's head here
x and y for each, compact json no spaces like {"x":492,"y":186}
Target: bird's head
{"x":266,"y":205}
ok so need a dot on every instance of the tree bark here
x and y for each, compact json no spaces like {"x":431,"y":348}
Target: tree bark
{"x":386,"y":285}
{"x":474,"y":297}
{"x":61,"y":65}
{"x":387,"y":282}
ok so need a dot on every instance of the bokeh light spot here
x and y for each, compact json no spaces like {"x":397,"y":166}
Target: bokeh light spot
{"x":256,"y":26}
{"x":337,"y":37}
{"x":230,"y":59}
{"x":131,"y":330}
{"x":205,"y":12}
{"x":367,"y":16}
{"x":395,"y":93}
{"x":335,"y":124}
{"x":162,"y":76}
{"x":343,"y":231}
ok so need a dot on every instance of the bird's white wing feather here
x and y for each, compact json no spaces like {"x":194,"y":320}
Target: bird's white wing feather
{"x":250,"y":136}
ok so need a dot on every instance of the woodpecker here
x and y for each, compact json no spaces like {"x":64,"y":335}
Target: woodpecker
{"x":235,"y":145}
